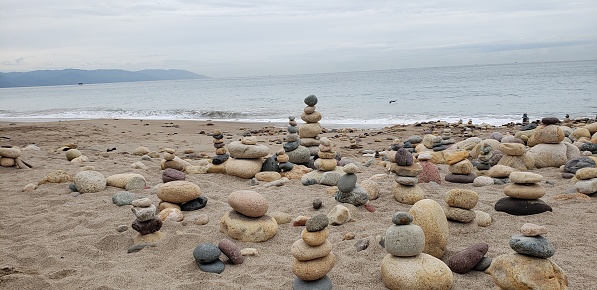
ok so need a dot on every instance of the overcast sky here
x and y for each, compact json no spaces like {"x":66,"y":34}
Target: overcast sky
{"x":254,"y":38}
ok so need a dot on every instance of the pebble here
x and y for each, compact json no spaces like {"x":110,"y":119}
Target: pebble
{"x":483,"y":264}
{"x":147,"y":227}
{"x":317,"y":203}
{"x":138,"y":247}
{"x":249,"y":252}
{"x":538,"y":246}
{"x":248,"y":202}
{"x":123,"y":198}
{"x":122,"y":228}
{"x":300,"y":221}
{"x":216,"y":266}
{"x":194,"y":204}
{"x":206,"y":253}
{"x":348,"y":236}
{"x":320,"y":284}
{"x":202,"y":219}
{"x":533,"y":230}
{"x":317,"y":223}
{"x":142,"y":202}
{"x":231,"y":250}
{"x":144,"y":213}
{"x":465,"y":260}
{"x":402,"y":218}
{"x":361,"y":244}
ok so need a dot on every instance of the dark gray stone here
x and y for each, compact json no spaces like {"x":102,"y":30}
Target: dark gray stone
{"x":206,"y":253}
{"x":324,"y":283}
{"x":311,"y":100}
{"x":317,"y":203}
{"x":496,"y":136}
{"x":589,"y":147}
{"x":270,"y":164}
{"x":415,"y":139}
{"x":147,"y":227}
{"x":461,"y":178}
{"x":402,"y":218}
{"x":550,"y":121}
{"x":538,"y":246}
{"x":309,"y":181}
{"x":575,"y":164}
{"x":515,"y":206}
{"x":529,"y":126}
{"x":465,"y":260}
{"x":285,"y":166}
{"x":219,"y":159}
{"x":72,"y":187}
{"x":290,"y":146}
{"x":317,"y":223}
{"x":403,"y":157}
{"x":347,"y":182}
{"x":483,"y":264}
{"x":356,"y":197}
{"x":194,"y":204}
{"x":567,"y":175}
{"x":292,"y":129}
{"x":216,"y":266}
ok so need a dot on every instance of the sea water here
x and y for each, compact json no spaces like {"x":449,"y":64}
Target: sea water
{"x":493,"y":94}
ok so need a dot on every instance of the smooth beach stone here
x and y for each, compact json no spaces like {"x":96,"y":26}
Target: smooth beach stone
{"x":325,"y":164}
{"x":525,"y":177}
{"x":430,"y":173}
{"x":7,"y":162}
{"x":453,"y":157}
{"x":330,"y":178}
{"x":482,"y":218}
{"x":327,"y":155}
{"x":579,"y":133}
{"x":141,"y":150}
{"x":309,"y":130}
{"x":243,"y":168}
{"x":171,"y":214}
{"x":516,"y":271}
{"x":308,"y":142}
{"x":462,"y":167}
{"x":460,"y":214}
{"x":231,"y":250}
{"x":320,"y":284}
{"x":461,"y":178}
{"x":122,"y":179}
{"x":483,"y":264}
{"x":311,"y":118}
{"x":411,"y":171}
{"x":311,"y":100}
{"x":586,"y":173}
{"x":237,"y":149}
{"x":402,"y":218}
{"x":292,"y":129}
{"x":524,"y":191}
{"x":11,"y":152}
{"x":549,"y":155}
{"x":147,"y":227}
{"x":404,"y":240}
{"x":216,"y":266}
{"x":357,"y":196}
{"x":123,"y":198}
{"x":421,"y":272}
{"x":72,"y":154}
{"x":302,"y":251}
{"x":309,"y":109}
{"x":550,"y":121}
{"x":414,"y":139}
{"x":289,"y":146}
{"x":142,"y":202}
{"x":589,"y":147}
{"x":403,"y":157}
{"x":533,"y":230}
{"x":281,"y":217}
{"x":511,"y":139}
{"x":169,"y":156}
{"x":148,"y":238}
{"x":462,"y":198}
{"x":406,"y":180}
{"x":249,"y":140}
{"x":549,"y":134}
{"x":500,"y":171}
{"x":586,"y":186}
{"x":299,"y":156}
{"x":512,"y":149}
{"x":350,"y":168}
{"x":407,"y":194}
{"x":170,"y":174}
{"x":248,"y":202}
{"x":430,"y":216}
{"x":317,"y":223}
{"x":465,"y":260}
{"x":573,"y":165}
{"x":339,"y":215}
{"x":481,"y":181}
{"x":89,"y":181}
{"x":313,"y":269}
{"x":176,"y":163}
{"x":516,"y":206}
{"x":144,"y":213}
{"x":246,"y":229}
{"x":347,"y":182}
{"x":178,"y":191}
{"x":315,"y":239}
{"x":267,"y":176}
{"x":270,"y":164}
{"x":194,"y":204}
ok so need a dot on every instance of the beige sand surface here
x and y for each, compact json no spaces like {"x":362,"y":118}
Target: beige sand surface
{"x":51,"y":238}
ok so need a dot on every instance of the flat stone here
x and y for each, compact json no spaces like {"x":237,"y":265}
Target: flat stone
{"x":320,"y":284}
{"x":460,"y":214}
{"x":515,"y":206}
{"x":460,"y":178}
{"x":246,"y":229}
{"x":194,"y":204}
{"x":171,"y":174}
{"x":402,"y":218}
{"x":317,"y":223}
{"x":216,"y":266}
{"x":315,"y":239}
{"x":573,"y":165}
{"x":524,"y":191}
{"x":465,"y":260}
{"x":313,"y":269}
{"x":533,"y":230}
{"x":239,"y":150}
{"x":123,"y":198}
{"x":302,"y":251}
{"x":206,"y":253}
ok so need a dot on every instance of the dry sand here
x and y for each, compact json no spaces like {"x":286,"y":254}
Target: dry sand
{"x":51,"y":238}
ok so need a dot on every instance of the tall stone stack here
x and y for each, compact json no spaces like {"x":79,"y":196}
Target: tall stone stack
{"x":587,"y":180}
{"x":348,"y":189}
{"x":313,"y":256}
{"x":523,"y":195}
{"x":327,"y":172}
{"x":515,"y":156}
{"x":548,"y":148}
{"x":146,"y":223}
{"x":218,"y":162}
{"x":430,"y":142}
{"x":460,"y":167}
{"x":530,"y":267}
{"x":309,"y":131}
{"x":10,"y":157}
{"x":406,"y":266}
{"x":460,"y":204}
{"x":248,"y":220}
{"x":297,"y":154}
{"x":327,"y":157}
{"x":247,"y":157}
{"x":406,"y":189}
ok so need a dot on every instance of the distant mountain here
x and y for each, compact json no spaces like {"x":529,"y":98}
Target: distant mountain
{"x":77,"y":76}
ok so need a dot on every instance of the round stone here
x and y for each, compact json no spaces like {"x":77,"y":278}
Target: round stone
{"x":311,"y":100}
{"x":89,"y":181}
{"x":315,"y":239}
{"x":216,"y":266}
{"x":538,"y":246}
{"x":304,"y":252}
{"x":512,"y":149}
{"x":314,"y":269}
{"x":347,"y":182}
{"x":404,"y":240}
{"x":317,"y":223}
{"x":407,"y":194}
{"x":462,"y":198}
{"x":248,"y":202}
{"x":516,"y":271}
{"x":403,"y":157}
{"x":402,"y":218}
{"x":524,"y":191}
{"x":309,"y":109}
{"x":206,"y":253}
{"x":72,"y":154}
{"x":482,"y":218}
{"x":460,"y":214}
{"x":350,"y":168}
{"x":421,"y":272}
{"x":178,"y":191}
{"x":123,"y":198}
{"x":317,"y":203}
{"x":430,"y":216}
{"x":533,"y":230}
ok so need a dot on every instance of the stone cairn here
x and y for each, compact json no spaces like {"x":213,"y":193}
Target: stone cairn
{"x":297,"y":154}
{"x":523,"y":195}
{"x":10,"y":157}
{"x":460,"y":167}
{"x":406,"y":189}
{"x":515,"y":156}
{"x":177,"y":194}
{"x":313,"y":256}
{"x":460,"y":204}
{"x":547,"y":146}
{"x":326,"y":172}
{"x":247,"y":157}
{"x":248,"y":221}
{"x":406,"y":266}
{"x":207,"y":255}
{"x":410,"y":144}
{"x":348,"y":189}
{"x":525,"y":119}
{"x":170,"y":160}
{"x":430,"y":142}
{"x":219,"y":161}
{"x":447,"y":138}
{"x":147,"y":224}
{"x":309,"y":131}
{"x":529,"y":267}
{"x":430,"y":171}
{"x":485,"y":155}
{"x":587,"y":180}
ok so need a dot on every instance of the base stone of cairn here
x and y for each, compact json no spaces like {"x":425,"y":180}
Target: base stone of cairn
{"x":529,"y":267}
{"x":587,"y":180}
{"x":248,"y":221}
{"x":246,"y":158}
{"x":311,"y":129}
{"x":297,"y":154}
{"x":348,"y":189}
{"x":460,"y":168}
{"x":147,"y":224}
{"x":218,"y":162}
{"x":523,"y":195}
{"x":460,"y":204}
{"x":406,"y":266}
{"x":327,"y":172}
{"x":313,"y":256}
{"x":406,"y":189}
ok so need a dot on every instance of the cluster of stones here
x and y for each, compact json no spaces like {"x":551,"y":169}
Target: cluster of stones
{"x":146,"y":223}
{"x":10,"y":157}
{"x":311,"y":129}
{"x":207,"y":255}
{"x":248,"y":221}
{"x":548,"y":148}
{"x":587,"y":180}
{"x":219,"y":161}
{"x":447,"y":138}
{"x":177,"y":195}
{"x":406,"y":189}
{"x":348,"y":189}
{"x":431,"y":142}
{"x":460,"y":167}
{"x":74,"y":155}
{"x":247,"y":157}
{"x":410,"y":144}
{"x":523,"y":195}
{"x":406,"y":266}
{"x":460,"y":204}
{"x":430,"y":171}
{"x":485,"y":155}
{"x":471,"y":258}
{"x":529,"y":267}
{"x":313,"y":256}
{"x":327,"y":172}
{"x":297,"y":154}
{"x":515,"y":156}
{"x":170,"y":160}
{"x":327,"y":157}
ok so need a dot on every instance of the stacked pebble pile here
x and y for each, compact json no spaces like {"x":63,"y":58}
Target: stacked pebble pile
{"x":548,"y":148}
{"x":348,"y":189}
{"x":406,"y":266}
{"x":485,"y":156}
{"x":170,"y":160}
{"x":309,"y":131}
{"x":447,"y":137}
{"x":523,"y":195}
{"x":515,"y":156}
{"x":247,"y":157}
{"x":313,"y":256}
{"x":177,"y":194}
{"x":207,"y":256}
{"x":587,"y":180}
{"x":297,"y":154}
{"x":9,"y":157}
{"x":430,"y":142}
{"x":147,"y":224}
{"x":461,"y":169}
{"x":406,"y":189}
{"x":327,"y":157}
{"x":529,"y":267}
{"x":248,"y":221}
{"x":460,"y":204}
{"x":219,"y":161}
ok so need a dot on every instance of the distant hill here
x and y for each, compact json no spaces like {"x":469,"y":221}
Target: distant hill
{"x":76,"y":76}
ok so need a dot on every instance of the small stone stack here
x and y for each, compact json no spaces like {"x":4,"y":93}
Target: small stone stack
{"x":309,"y":131}
{"x":525,"y":119}
{"x":406,"y":266}
{"x":523,"y":195}
{"x":348,"y":189}
{"x":147,"y":224}
{"x":406,"y":189}
{"x":485,"y":156}
{"x":177,"y":195}
{"x":10,"y":157}
{"x":548,"y":148}
{"x":248,"y":221}
{"x":297,"y":154}
{"x":529,"y":267}
{"x":460,"y":204}
{"x":515,"y":156}
{"x":170,"y":160}
{"x":247,"y":157}
{"x":74,"y":155}
{"x":313,"y":256}
{"x":587,"y":180}
{"x":327,"y":157}
{"x":207,"y":257}
{"x":219,"y":161}
{"x":447,"y":137}
{"x":430,"y":142}
{"x":461,"y":169}
{"x":283,"y":160}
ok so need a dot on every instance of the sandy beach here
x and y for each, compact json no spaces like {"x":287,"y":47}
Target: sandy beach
{"x":53,"y":238}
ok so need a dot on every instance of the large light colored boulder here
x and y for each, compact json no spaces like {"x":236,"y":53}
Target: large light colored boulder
{"x":421,"y":272}
{"x":246,"y":229}
{"x":178,"y":191}
{"x":89,"y":181}
{"x":430,"y":216}
{"x":243,"y":168}
{"x":516,"y":271}
{"x":549,"y":155}
{"x":239,"y":150}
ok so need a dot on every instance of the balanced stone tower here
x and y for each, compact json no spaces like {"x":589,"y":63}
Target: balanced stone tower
{"x":218,"y":162}
{"x":9,"y":157}
{"x":297,"y":154}
{"x":523,"y":195}
{"x":460,"y":204}
{"x":313,"y":256}
{"x":348,"y":189}
{"x":460,"y":167}
{"x":247,"y":157}
{"x":309,"y":131}
{"x":548,"y":148}
{"x":587,"y":180}
{"x":406,"y":189}
{"x":248,"y":221}
{"x":515,"y":156}
{"x":147,"y":224}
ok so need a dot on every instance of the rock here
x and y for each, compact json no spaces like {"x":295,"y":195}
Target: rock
{"x":549,"y":155}
{"x":89,"y":181}
{"x":371,"y":187}
{"x":587,"y":186}
{"x":430,"y":173}
{"x":249,"y":252}
{"x":407,"y":194}
{"x":72,"y":154}
{"x":403,"y":157}
{"x":313,"y":269}
{"x":281,"y":217}
{"x":216,"y":266}
{"x":421,"y":272}
{"x":243,"y":151}
{"x":267,"y":176}
{"x":586,"y":173}
{"x":462,"y":198}
{"x":406,"y":180}
{"x":481,"y":181}
{"x":147,"y":227}
{"x":243,"y":228}
{"x":361,"y":245}
{"x":482,"y":218}
{"x":122,"y":179}
{"x":515,"y":206}
{"x":317,"y":223}
{"x":573,"y":165}
{"x":300,"y":155}
{"x":148,"y":238}
{"x":525,"y":177}
{"x":411,"y":171}
{"x":315,"y":239}
{"x":512,"y":149}
{"x":320,"y":284}
{"x":339,"y":215}
{"x":170,"y":174}
{"x":194,"y":204}
{"x":311,"y":100}
{"x":171,"y":214}
{"x":461,"y":178}
{"x":243,"y":168}
{"x":533,"y":230}
{"x":304,"y":252}
{"x":516,"y":271}
{"x":123,"y":198}
{"x":231,"y":250}
{"x":347,"y":182}
{"x":430,"y":216}
{"x":460,"y":214}
{"x":483,"y":264}
{"x":309,"y":130}
{"x":11,"y":152}
{"x":144,"y":213}
{"x":500,"y":171}
{"x":524,"y":191}
{"x":402,"y":218}
{"x":356,"y":197}
{"x":591,"y":147}
{"x":549,"y":134}
{"x":465,"y":260}
{"x":404,"y":240}
{"x":453,"y":157}
{"x":201,"y":219}
{"x":179,"y":191}
{"x":248,"y":202}
{"x":141,"y":150}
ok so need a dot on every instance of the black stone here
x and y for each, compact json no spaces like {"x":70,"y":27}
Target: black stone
{"x":286,"y":166}
{"x":550,"y":121}
{"x":516,"y":206}
{"x":317,"y":203}
{"x":311,"y":100}
{"x":290,"y":146}
{"x":72,"y":187}
{"x":218,"y":137}
{"x":461,"y":178}
{"x":575,"y":164}
{"x":529,"y":126}
{"x":147,"y":227}
{"x":219,"y":159}
{"x":219,"y":145}
{"x":483,"y":166}
{"x":395,"y":147}
{"x":589,"y":147}
{"x":270,"y":164}
{"x":322,"y":284}
{"x":407,"y":145}
{"x":194,"y":204}
{"x":440,"y":148}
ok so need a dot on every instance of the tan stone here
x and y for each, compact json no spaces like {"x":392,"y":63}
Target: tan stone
{"x":421,"y":272}
{"x":371,"y":187}
{"x":175,"y":163}
{"x":149,"y":238}
{"x":550,"y":134}
{"x":310,"y":130}
{"x":315,"y":239}
{"x":171,"y":214}
{"x":10,"y":152}
{"x":512,"y":149}
{"x":243,"y":168}
{"x":579,"y":133}
{"x":281,"y":217}
{"x":120,"y":180}
{"x":523,"y":177}
{"x":460,"y":214}
{"x":267,"y":176}
{"x":331,"y":155}
{"x":248,"y":229}
{"x":530,"y":191}
{"x":463,"y":167}
{"x":549,"y":155}
{"x":164,"y":205}
{"x":412,"y":170}
{"x":57,"y":176}
{"x":521,"y":163}
{"x":304,"y":252}
{"x":453,"y":157}
{"x":248,"y":202}
{"x":591,"y":127}
{"x":7,"y":162}
{"x":325,"y":164}
{"x":72,"y":154}
{"x":311,"y":118}
{"x":430,"y":216}
{"x":178,"y":191}
{"x":516,"y":271}
{"x":340,"y":214}
{"x":313,"y":269}
{"x":533,"y":230}
{"x":407,"y":194}
{"x":462,"y":198}
{"x":586,"y":173}
{"x":482,"y":218}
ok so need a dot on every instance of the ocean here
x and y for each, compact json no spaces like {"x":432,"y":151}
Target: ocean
{"x":492,"y":94}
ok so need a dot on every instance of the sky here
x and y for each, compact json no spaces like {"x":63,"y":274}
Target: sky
{"x":260,"y":38}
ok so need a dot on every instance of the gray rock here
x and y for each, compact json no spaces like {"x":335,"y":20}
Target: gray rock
{"x":89,"y":181}
{"x":404,"y":240}
{"x":356,"y":197}
{"x":538,"y":246}
{"x":321,"y":284}
{"x":216,"y":266}
{"x":575,"y":164}
{"x":123,"y":198}
{"x":347,"y":182}
{"x":403,"y":157}
{"x":402,"y":218}
{"x":206,"y":253}
{"x":483,"y":264}
{"x":589,"y":147}
{"x":311,"y":100}
{"x":317,"y":223}
{"x":330,"y":178}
